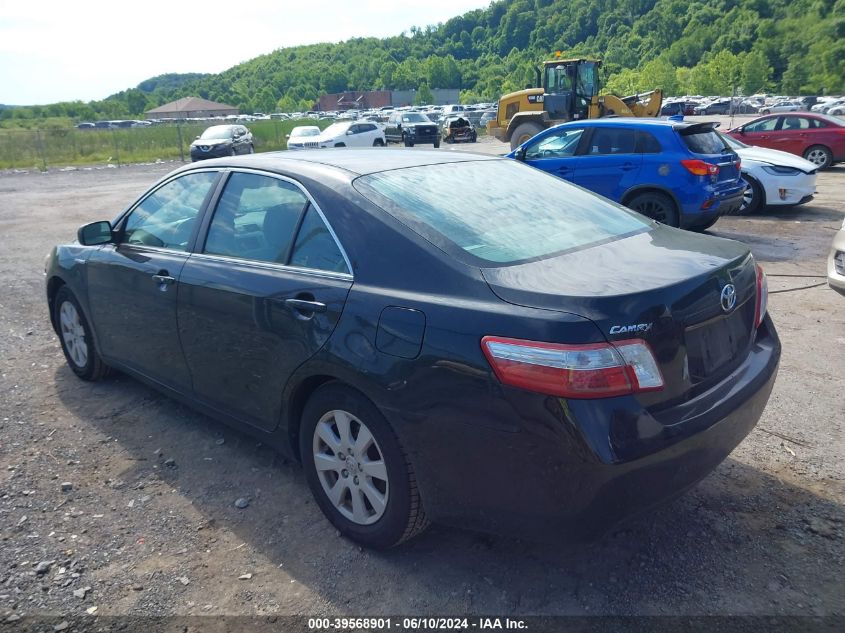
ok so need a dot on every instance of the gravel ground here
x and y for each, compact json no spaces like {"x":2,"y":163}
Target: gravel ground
{"x":115,"y":497}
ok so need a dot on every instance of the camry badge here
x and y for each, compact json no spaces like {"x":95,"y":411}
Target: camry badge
{"x":641,"y":328}
{"x":728,"y":297}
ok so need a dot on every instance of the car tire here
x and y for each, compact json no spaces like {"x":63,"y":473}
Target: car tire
{"x":765,"y":111}
{"x":658,"y":206}
{"x":76,"y":338}
{"x":378,"y":143}
{"x":753,"y":199}
{"x":407,"y":140}
{"x":436,"y":143}
{"x":449,"y":140}
{"x":251,"y":149}
{"x":819,"y":155}
{"x":474,"y":138}
{"x":523,"y":132}
{"x":331,"y":428}
{"x":232,"y":152}
{"x":703,"y":227}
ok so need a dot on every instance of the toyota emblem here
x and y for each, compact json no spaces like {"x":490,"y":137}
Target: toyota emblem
{"x":728,"y":297}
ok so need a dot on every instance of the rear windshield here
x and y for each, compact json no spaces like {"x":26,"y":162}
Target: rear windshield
{"x":499,"y":211}
{"x":704,"y":142}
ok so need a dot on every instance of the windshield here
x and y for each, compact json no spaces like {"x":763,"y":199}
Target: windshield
{"x":505,"y":224}
{"x":732,"y":142}
{"x":218,"y":131}
{"x":305,"y":131}
{"x":336,"y":129}
{"x":415,"y":117}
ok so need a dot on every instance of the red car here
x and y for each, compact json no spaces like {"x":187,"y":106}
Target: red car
{"x":817,"y":137}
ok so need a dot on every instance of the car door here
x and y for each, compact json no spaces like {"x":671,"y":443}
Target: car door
{"x":261,"y":295}
{"x":391,"y":130}
{"x":761,"y":132}
{"x":356,"y":136}
{"x":556,"y":152}
{"x":794,"y":134}
{"x":133,"y":283}
{"x":609,"y":164}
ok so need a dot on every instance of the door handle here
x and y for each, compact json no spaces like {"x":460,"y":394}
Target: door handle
{"x":163,"y":277}
{"x":303,"y":305}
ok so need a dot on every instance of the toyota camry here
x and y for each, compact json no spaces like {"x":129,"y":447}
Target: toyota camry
{"x":525,"y":357}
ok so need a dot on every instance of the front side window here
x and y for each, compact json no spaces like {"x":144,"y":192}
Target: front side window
{"x":766,"y":125}
{"x":505,"y":224}
{"x":255,"y":218}
{"x":560,"y":145}
{"x":167,"y":217}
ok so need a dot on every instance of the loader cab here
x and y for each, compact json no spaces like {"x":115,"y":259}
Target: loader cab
{"x":569,"y":87}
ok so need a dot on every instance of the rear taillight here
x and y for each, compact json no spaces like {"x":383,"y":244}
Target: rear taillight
{"x":762,"y":297}
{"x":597,"y":370}
{"x":700,"y":167}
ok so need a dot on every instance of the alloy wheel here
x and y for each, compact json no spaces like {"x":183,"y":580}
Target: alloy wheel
{"x":747,"y":198}
{"x":73,"y":334}
{"x":817,"y":156}
{"x":350,"y":467}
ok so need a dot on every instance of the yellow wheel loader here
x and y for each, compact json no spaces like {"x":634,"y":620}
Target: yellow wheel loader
{"x":567,"y":91}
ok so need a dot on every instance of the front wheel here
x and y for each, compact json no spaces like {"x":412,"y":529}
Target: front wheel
{"x":407,"y":140}
{"x":436,"y":143}
{"x":76,"y":338}
{"x":251,"y":149}
{"x":378,"y":143}
{"x":753,"y":199}
{"x":819,"y":155}
{"x":359,"y":475}
{"x":657,"y":206}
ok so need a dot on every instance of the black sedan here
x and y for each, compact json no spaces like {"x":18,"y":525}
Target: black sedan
{"x":222,"y":140}
{"x":540,"y":361}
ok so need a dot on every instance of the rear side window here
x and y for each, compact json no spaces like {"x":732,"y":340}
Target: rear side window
{"x":647,"y":144}
{"x":517,"y":212}
{"x":315,"y":247}
{"x":704,"y":142}
{"x":612,"y":141}
{"x":255,"y":218}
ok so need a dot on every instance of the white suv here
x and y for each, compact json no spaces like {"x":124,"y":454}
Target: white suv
{"x":351,"y":134}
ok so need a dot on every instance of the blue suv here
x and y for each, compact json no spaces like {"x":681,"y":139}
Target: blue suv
{"x":678,"y":173}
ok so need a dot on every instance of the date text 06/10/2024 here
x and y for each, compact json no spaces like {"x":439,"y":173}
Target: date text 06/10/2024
{"x":416,"y":624}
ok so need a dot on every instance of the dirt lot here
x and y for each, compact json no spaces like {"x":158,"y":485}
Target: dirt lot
{"x":149,"y":523}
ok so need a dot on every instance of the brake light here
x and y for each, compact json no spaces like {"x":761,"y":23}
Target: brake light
{"x":762,"y":297}
{"x":700,"y":168}
{"x":596,"y":370}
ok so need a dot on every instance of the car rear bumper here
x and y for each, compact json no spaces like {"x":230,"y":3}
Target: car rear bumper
{"x":574,"y":468}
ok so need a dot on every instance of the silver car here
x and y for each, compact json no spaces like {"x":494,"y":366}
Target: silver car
{"x":836,"y":262}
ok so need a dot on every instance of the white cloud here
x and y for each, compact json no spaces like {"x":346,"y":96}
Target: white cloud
{"x":57,"y":51}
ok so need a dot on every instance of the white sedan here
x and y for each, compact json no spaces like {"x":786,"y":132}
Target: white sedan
{"x":773,"y":177}
{"x":352,"y":134}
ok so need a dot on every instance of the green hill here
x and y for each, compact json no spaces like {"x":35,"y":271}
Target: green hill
{"x":683,"y":46}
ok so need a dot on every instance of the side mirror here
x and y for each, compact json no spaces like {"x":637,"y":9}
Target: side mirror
{"x":520,"y":154}
{"x":287,"y":135}
{"x":349,"y":132}
{"x":196,"y":138}
{"x":95,"y":233}
{"x":741,"y":131}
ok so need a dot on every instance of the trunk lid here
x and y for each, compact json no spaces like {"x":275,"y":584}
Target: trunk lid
{"x":663,"y":286}
{"x":705,"y":143}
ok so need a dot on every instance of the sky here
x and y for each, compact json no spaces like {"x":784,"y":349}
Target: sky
{"x":61,"y":50}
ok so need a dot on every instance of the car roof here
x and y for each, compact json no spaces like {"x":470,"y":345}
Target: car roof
{"x":358,"y":162}
{"x":635,"y":122}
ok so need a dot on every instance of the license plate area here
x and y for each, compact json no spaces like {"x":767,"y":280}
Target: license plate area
{"x":717,"y":342}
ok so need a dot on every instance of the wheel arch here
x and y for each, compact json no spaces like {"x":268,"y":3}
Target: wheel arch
{"x":650,"y":188}
{"x":54,"y":284}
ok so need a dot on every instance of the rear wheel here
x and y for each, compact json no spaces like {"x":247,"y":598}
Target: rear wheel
{"x":407,"y":140}
{"x":356,"y":469}
{"x":378,"y":143}
{"x":753,"y":199}
{"x":76,"y":339}
{"x":657,"y":206}
{"x":523,"y":132}
{"x":819,"y":155}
